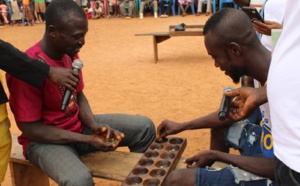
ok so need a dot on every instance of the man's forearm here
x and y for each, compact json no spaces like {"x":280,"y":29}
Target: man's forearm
{"x":208,"y":121}
{"x":260,"y":166}
{"x":20,"y":65}
{"x":261,"y":96}
{"x":85,"y":114}
{"x":36,"y":131}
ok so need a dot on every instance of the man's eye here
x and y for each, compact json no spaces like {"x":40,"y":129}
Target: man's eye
{"x":78,"y":36}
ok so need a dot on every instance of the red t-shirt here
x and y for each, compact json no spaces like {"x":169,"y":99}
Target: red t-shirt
{"x":31,"y":104}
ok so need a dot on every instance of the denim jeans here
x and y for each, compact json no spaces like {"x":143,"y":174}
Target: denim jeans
{"x":286,"y":176}
{"x":61,"y":161}
{"x":225,"y":177}
{"x":242,"y":136}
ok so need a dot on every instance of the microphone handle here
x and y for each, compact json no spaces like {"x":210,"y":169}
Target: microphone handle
{"x":67,"y":94}
{"x":66,"y":99}
{"x":224,"y":108}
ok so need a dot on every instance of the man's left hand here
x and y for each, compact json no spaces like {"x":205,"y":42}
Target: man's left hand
{"x":266,"y":27}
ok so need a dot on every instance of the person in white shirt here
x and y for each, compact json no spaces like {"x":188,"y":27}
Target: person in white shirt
{"x":282,"y":93}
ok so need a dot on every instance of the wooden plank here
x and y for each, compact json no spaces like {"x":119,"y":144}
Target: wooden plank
{"x":153,"y":34}
{"x":172,"y":27}
{"x":26,"y":175}
{"x":158,"y":37}
{"x":114,"y":165}
{"x":186,"y":33}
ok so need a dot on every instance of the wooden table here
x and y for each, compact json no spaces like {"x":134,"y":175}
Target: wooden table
{"x":158,"y":37}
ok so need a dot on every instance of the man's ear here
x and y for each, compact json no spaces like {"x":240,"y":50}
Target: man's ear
{"x":235,"y":49}
{"x":52,"y":31}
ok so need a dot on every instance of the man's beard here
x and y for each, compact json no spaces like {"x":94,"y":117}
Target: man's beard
{"x":235,"y":73}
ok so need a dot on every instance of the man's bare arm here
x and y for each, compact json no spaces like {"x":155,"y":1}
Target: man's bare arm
{"x":242,"y":3}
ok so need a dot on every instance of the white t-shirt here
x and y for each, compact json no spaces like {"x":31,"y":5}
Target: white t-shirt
{"x":273,"y":11}
{"x":283,"y":89}
{"x":256,"y":4}
{"x":266,"y":137}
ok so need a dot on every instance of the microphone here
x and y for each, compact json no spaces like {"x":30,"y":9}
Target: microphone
{"x":77,"y":65}
{"x":225,"y":104}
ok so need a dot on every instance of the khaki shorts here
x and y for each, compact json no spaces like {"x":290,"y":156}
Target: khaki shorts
{"x":5,"y":147}
{"x":39,"y":7}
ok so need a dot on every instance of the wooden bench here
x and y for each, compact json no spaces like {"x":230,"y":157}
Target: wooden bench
{"x":115,"y":165}
{"x":158,"y":37}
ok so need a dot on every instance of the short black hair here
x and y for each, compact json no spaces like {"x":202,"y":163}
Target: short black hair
{"x":231,"y":25}
{"x":60,"y":10}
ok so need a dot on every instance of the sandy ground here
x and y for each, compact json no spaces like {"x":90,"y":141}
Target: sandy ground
{"x":120,"y":76}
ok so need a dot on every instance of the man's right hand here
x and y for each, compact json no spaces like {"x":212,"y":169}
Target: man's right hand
{"x":251,"y":98}
{"x":168,"y":127}
{"x":202,"y":159}
{"x":64,"y":77}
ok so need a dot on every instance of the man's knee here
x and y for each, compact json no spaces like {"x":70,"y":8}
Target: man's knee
{"x":147,"y":128}
{"x":179,"y":177}
{"x":173,"y":178}
{"x":245,"y":137}
{"x":145,"y":125}
{"x":150,"y":126}
{"x":84,"y":177}
{"x":140,"y":134}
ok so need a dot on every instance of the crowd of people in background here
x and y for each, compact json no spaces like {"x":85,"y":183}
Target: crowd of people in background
{"x":30,"y":12}
{"x":27,"y":12}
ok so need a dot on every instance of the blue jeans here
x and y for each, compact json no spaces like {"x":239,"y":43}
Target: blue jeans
{"x":244,"y":137}
{"x":61,"y":162}
{"x":286,"y":176}
{"x":225,"y":177}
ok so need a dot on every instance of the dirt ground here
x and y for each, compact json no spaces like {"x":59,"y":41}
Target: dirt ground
{"x":120,"y":76}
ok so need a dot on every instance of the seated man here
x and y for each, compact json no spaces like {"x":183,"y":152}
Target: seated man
{"x":232,"y":42}
{"x":126,"y":8}
{"x":148,"y":3}
{"x":114,"y":8}
{"x":208,"y":7}
{"x":97,"y":11}
{"x":53,"y":139}
{"x":187,"y":4}
{"x":21,"y":66}
{"x":165,"y":11}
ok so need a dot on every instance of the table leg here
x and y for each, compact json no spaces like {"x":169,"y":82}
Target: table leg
{"x":158,"y":39}
{"x":155,"y":49}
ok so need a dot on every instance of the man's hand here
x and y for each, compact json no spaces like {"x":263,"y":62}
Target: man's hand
{"x":168,"y":127}
{"x":64,"y":77}
{"x":266,"y":27}
{"x":202,"y":159}
{"x":105,"y":138}
{"x":251,"y":98}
